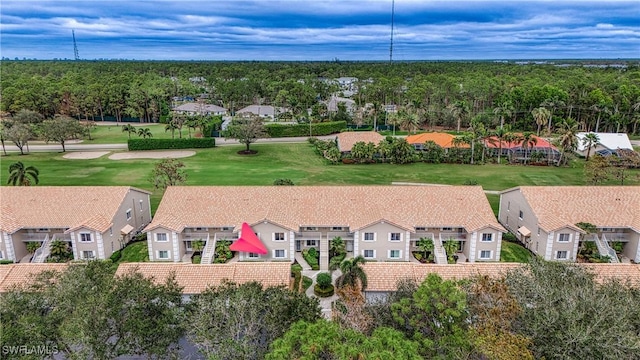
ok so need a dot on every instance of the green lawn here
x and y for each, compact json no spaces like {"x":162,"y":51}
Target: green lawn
{"x":512,"y":252}
{"x":298,"y":162}
{"x":135,"y":252}
{"x":112,"y":134}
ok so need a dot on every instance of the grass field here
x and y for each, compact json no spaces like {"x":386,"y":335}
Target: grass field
{"x":112,"y":134}
{"x":135,"y":252}
{"x":512,"y":252}
{"x":298,"y":162}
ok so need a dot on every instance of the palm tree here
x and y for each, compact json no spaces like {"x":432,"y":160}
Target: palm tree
{"x":590,"y":140}
{"x":567,"y":141}
{"x":459,"y":111}
{"x":171,"y":126}
{"x":540,"y":115}
{"x":450,"y":247}
{"x":21,"y":175}
{"x":337,"y":246}
{"x":144,"y":133}
{"x":426,"y":245}
{"x":552,"y":103}
{"x":32,"y":246}
{"x":60,"y":250}
{"x":528,"y":141}
{"x":502,"y":134}
{"x":503,"y":111}
{"x":352,"y":273}
{"x":129,"y":129}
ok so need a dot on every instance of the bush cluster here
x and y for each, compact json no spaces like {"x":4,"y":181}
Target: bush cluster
{"x":317,"y":129}
{"x":157,"y":144}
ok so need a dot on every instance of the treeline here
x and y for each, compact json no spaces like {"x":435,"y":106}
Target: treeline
{"x":441,"y":94}
{"x":541,"y":310}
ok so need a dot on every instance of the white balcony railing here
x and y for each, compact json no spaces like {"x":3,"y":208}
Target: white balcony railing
{"x":43,"y":251}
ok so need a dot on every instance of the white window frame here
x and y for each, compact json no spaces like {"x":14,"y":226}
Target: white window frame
{"x":275,"y":252}
{"x":508,"y":205}
{"x":485,"y":258}
{"x":273,"y":236}
{"x":1,"y":257}
{"x":364,"y":236}
{"x":490,"y":237}
{"x":391,"y":237}
{"x":566,"y":255}
{"x":307,"y":243}
{"x":560,"y":236}
{"x":395,"y":258}
{"x":162,"y":258}
{"x":253,"y":256}
{"x":141,"y":208}
{"x":364,"y":254}
{"x":166,"y":237}
{"x":84,"y":252}
{"x":128,"y":214}
{"x":81,"y":237}
{"x":111,"y":230}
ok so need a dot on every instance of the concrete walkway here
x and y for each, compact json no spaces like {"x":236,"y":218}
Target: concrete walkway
{"x":325,"y":303}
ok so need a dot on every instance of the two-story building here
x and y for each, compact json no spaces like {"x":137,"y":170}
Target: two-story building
{"x":94,"y":220}
{"x":381,"y":223}
{"x":546,"y":218}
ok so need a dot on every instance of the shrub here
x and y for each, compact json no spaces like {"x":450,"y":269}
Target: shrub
{"x":196,"y":259}
{"x":116,"y":256}
{"x":335,"y":261}
{"x":323,"y":280}
{"x":317,"y":129}
{"x":157,"y":144}
{"x":288,"y":182}
{"x":509,"y":237}
{"x":320,"y":292}
{"x":311,"y":257}
{"x":470,"y":182}
{"x":306,"y":282}
{"x":6,"y":262}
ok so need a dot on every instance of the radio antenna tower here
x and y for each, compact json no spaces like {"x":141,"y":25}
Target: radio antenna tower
{"x":393,"y":7}
{"x":75,"y":46}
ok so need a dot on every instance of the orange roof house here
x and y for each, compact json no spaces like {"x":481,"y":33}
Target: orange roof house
{"x":346,"y":140}
{"x":443,"y":140}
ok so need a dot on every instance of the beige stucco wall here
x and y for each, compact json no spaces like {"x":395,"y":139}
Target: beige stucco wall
{"x":155,"y":246}
{"x":265,"y":232}
{"x":382,"y":245}
{"x":139,"y":204}
{"x":632,"y":248}
{"x":93,"y":245}
{"x":554,"y":245}
{"x":476,"y":245}
{"x":511,"y":204}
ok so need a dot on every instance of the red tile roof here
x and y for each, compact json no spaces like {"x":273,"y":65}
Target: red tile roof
{"x":492,"y":142}
{"x":346,"y":140}
{"x":13,"y":275}
{"x":444,"y":140}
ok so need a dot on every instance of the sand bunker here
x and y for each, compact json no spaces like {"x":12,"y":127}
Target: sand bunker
{"x":152,"y":155}
{"x":84,"y":155}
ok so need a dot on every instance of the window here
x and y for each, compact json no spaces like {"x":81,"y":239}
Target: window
{"x":369,"y":254}
{"x":279,"y":253}
{"x":226,"y":229}
{"x":420,"y":228}
{"x":508,"y":205}
{"x":521,"y":215}
{"x":254,"y":255}
{"x":561,"y":255}
{"x":311,"y":243}
{"x":538,"y":230}
{"x":202,"y":229}
{"x":42,"y":230}
{"x":336,"y":228}
{"x":85,"y":237}
{"x":163,"y":254}
{"x":394,"y":237}
{"x":1,"y":257}
{"x":141,"y":207}
{"x":487,"y":237}
{"x":394,"y":254}
{"x":111,"y":231}
{"x":87,"y":254}
{"x":129,"y":214}
{"x":278,"y":236}
{"x":447,"y":229}
{"x":485,"y":254}
{"x":369,"y":237}
{"x":564,"y":237}
{"x":161,"y":237}
{"x":310,"y":228}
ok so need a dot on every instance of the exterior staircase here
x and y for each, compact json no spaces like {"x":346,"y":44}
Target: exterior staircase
{"x":605,"y":250}
{"x":209,"y":250}
{"x":440,"y":256}
{"x":43,"y":251}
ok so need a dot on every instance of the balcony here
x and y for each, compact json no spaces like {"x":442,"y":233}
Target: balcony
{"x":194,"y":236}
{"x":28,"y":237}
{"x":453,"y":236}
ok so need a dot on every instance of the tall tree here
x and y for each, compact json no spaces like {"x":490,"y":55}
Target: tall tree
{"x":61,"y":129}
{"x":168,"y":172}
{"x":129,"y":129}
{"x":247,"y":131}
{"x":588,"y":141}
{"x":352,"y":273}
{"x":540,"y":115}
{"x":567,"y":141}
{"x":528,"y":141}
{"x":459,"y":110}
{"x":20,"y":134}
{"x":19,"y":175}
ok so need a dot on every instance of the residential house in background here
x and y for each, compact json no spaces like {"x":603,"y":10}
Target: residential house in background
{"x":334,"y":102}
{"x":267,"y":112}
{"x":545,"y":219}
{"x":608,"y":144}
{"x":194,"y":108}
{"x":381,"y":223}
{"x":538,"y":150}
{"x":347,"y":139}
{"x":94,"y":220}
{"x":444,"y":140}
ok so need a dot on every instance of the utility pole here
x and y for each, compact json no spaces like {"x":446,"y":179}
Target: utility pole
{"x":75,"y":46}
{"x":393,"y":7}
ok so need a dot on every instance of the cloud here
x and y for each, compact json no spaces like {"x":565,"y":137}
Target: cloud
{"x":320,"y":30}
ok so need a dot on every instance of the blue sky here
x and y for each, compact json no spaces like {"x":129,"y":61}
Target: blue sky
{"x":320,"y":29}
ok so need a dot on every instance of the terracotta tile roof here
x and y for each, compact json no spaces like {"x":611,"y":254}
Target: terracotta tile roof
{"x":346,"y":140}
{"x":444,"y":140}
{"x":349,"y":206}
{"x":603,"y":206}
{"x":60,"y":206}
{"x":383,"y":276}
{"x":197,"y":278}
{"x":19,"y":274}
{"x":492,"y":142}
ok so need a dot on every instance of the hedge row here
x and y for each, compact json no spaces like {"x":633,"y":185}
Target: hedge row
{"x":318,"y":129}
{"x":156,"y":144}
{"x":320,"y":292}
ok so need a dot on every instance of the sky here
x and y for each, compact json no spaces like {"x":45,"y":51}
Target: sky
{"x":319,"y":30}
